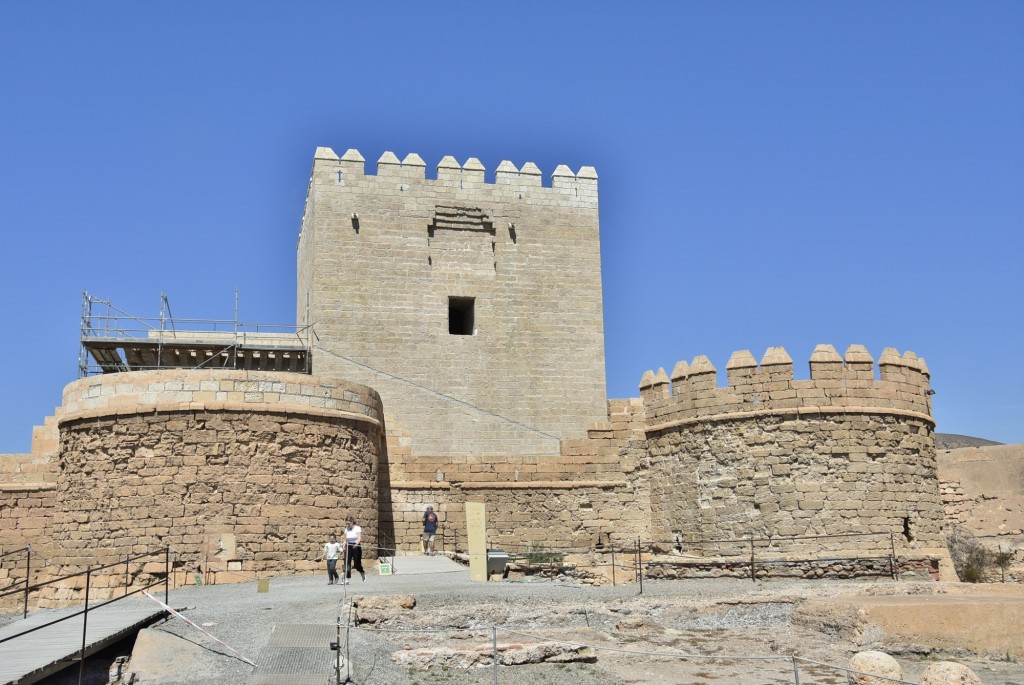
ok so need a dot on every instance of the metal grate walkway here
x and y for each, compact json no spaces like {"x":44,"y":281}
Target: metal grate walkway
{"x":298,"y":655}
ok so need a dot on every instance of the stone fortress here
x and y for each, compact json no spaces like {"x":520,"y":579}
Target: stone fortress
{"x":457,"y":356}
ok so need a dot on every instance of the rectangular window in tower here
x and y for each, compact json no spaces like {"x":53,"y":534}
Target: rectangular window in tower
{"x":460,"y":315}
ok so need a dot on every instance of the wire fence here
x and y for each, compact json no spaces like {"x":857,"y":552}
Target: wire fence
{"x":871,"y":554}
{"x":791,"y":668}
{"x":628,"y":562}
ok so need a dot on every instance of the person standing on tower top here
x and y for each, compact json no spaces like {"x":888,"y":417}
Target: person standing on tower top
{"x":429,"y":530}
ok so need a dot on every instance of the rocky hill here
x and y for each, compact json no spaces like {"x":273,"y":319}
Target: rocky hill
{"x":952,"y":441}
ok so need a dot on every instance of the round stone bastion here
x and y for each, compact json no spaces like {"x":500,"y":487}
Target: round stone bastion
{"x":839,"y":466}
{"x":239,"y":472}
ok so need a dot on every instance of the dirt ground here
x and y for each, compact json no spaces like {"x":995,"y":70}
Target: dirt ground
{"x":723,"y":632}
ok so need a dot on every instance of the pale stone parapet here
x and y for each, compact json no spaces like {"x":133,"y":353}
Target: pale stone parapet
{"x":741,"y":368}
{"x":586,"y":184}
{"x":506,"y":172}
{"x":778,"y":357}
{"x":903,"y":386}
{"x":448,"y":169}
{"x":567,"y":188}
{"x":907,"y":369}
{"x":859,"y":363}
{"x":562,"y":177}
{"x":45,"y":438}
{"x":530,"y":175}
{"x":192,"y":389}
{"x":413,"y":167}
{"x":679,"y":373}
{"x":353,"y":163}
{"x":646,"y":383}
{"x":27,"y":468}
{"x":325,"y":153}
{"x":660,"y":385}
{"x":388,"y":164}
{"x":825,"y":363}
{"x":702,"y":375}
{"x":473,"y":171}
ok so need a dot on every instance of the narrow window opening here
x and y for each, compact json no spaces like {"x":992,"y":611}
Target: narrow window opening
{"x":907,"y":533}
{"x":460,"y":315}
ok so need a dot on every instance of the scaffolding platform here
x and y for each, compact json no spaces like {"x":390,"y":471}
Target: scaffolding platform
{"x":113,"y":341}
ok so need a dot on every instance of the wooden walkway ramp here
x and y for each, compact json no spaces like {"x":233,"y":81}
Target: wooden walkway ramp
{"x":32,"y":657}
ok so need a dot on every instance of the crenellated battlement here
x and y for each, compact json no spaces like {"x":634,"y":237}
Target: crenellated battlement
{"x":837,"y":383}
{"x":524,"y":183}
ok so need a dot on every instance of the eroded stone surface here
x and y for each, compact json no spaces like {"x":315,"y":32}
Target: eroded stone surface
{"x":875,"y":663}
{"x":514,"y":654}
{"x":949,"y":673}
{"x":371,"y":609}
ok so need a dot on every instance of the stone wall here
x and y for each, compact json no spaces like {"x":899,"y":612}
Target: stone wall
{"x":982,"y":487}
{"x":26,"y":519}
{"x":379,"y":258}
{"x":249,"y":471}
{"x":593,"y":490}
{"x":840,"y":454}
{"x":981,"y":492}
{"x":27,"y":508}
{"x":234,"y":470}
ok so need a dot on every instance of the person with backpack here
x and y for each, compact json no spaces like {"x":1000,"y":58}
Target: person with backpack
{"x":429,"y":530}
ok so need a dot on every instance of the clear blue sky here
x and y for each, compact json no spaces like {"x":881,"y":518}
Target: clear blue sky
{"x":782,"y":173}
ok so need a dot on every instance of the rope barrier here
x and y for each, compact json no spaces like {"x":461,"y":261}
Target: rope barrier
{"x":176,"y":614}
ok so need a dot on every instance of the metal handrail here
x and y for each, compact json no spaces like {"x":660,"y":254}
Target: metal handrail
{"x":90,"y":569}
{"x":88,"y":572}
{"x":84,"y":612}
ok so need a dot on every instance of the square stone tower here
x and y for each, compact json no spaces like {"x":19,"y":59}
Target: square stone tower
{"x":473,"y":308}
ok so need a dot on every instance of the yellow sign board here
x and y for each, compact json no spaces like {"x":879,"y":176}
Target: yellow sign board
{"x":476,"y":527}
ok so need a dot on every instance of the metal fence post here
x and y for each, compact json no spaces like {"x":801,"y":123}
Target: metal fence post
{"x":348,"y":656}
{"x":612,"y":545}
{"x":639,"y":566}
{"x":28,"y":574}
{"x":167,"y":576}
{"x":892,"y":556}
{"x":337,"y":654}
{"x":85,"y":626}
{"x":796,"y":671}
{"x":753,"y":575}
{"x":494,"y":646}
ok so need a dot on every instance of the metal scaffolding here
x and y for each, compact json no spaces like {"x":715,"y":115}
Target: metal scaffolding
{"x":114,"y":341}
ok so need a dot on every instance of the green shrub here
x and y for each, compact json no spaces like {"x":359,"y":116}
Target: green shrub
{"x":1003,"y":560}
{"x":970,"y":558}
{"x":538,"y":555}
